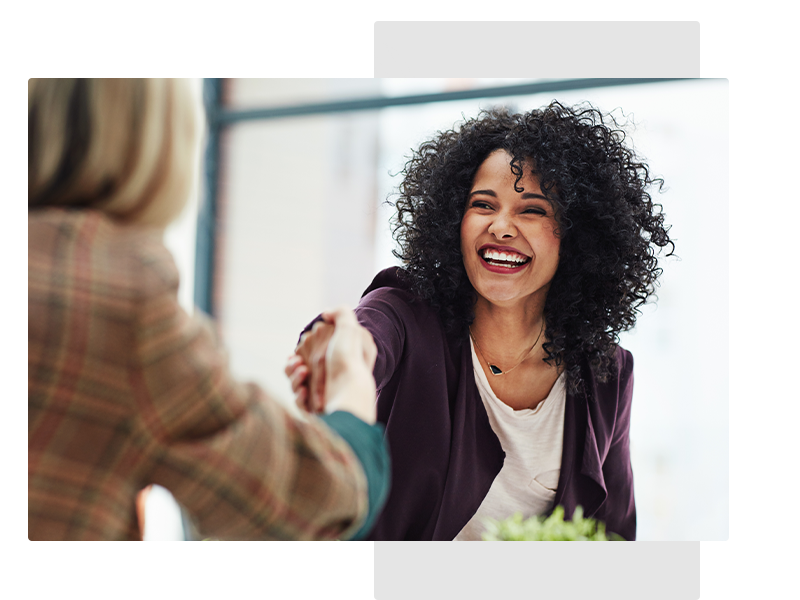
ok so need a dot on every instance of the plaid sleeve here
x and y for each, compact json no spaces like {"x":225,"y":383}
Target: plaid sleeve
{"x":237,"y":460}
{"x":125,"y":389}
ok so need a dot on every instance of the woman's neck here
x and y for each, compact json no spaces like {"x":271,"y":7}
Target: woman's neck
{"x":506,"y":332}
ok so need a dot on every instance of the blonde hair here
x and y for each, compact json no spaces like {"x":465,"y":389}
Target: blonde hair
{"x":127,"y":147}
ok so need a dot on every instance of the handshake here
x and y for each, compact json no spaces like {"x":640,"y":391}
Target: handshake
{"x":331,"y":368}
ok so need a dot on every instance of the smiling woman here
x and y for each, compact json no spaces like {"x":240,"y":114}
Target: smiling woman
{"x":510,"y":247}
{"x":508,"y":229}
{"x":609,"y":226}
{"x":528,"y":242}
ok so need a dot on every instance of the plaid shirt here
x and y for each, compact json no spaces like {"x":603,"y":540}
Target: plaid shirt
{"x":125,"y":389}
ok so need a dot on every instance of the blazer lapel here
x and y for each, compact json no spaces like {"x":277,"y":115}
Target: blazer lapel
{"x":581,"y":481}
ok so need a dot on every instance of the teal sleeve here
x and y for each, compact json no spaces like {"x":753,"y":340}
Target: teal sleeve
{"x":370,"y":447}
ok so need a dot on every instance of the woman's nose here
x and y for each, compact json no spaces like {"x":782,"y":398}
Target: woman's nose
{"x":502,"y":226}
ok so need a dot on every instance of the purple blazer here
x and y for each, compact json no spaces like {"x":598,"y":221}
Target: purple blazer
{"x":444,"y":453}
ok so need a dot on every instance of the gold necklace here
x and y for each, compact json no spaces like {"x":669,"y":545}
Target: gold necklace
{"x":494,"y":368}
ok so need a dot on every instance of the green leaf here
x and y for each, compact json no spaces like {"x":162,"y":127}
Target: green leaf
{"x":551,"y":528}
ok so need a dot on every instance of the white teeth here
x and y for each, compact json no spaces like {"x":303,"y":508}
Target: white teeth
{"x":503,"y":256}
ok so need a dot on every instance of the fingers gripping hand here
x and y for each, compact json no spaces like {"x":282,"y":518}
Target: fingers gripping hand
{"x":307,"y":372}
{"x":297,"y":372}
{"x":332,"y":367}
{"x":352,"y":340}
{"x":350,"y":359}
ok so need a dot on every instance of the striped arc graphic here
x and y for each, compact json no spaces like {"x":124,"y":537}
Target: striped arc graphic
{"x":258,"y":31}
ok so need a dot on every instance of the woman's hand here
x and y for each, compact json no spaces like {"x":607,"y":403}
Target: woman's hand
{"x":297,"y":372}
{"x":306,"y":367}
{"x":332,"y":367}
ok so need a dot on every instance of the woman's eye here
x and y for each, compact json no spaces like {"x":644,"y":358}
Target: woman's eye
{"x":480,"y":204}
{"x":534,"y":211}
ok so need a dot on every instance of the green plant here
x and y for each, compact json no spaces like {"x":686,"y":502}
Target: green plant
{"x":552,"y":528}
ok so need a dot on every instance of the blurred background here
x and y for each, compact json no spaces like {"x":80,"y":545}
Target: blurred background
{"x":290,"y":217}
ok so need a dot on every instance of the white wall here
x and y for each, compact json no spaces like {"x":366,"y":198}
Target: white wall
{"x":298,"y":214}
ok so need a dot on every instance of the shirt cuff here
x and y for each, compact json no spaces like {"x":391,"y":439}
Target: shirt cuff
{"x":371,"y":449}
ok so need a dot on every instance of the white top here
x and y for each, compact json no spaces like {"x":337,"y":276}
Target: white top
{"x":532,"y":440}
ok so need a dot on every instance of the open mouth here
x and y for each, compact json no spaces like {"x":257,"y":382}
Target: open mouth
{"x":503,"y":258}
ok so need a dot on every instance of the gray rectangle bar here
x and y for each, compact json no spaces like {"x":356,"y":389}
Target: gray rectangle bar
{"x":541,"y":63}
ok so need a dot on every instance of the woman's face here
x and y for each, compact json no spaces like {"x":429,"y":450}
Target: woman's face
{"x":508,"y":238}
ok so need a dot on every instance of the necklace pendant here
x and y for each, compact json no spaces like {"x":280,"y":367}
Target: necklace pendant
{"x":495,"y":369}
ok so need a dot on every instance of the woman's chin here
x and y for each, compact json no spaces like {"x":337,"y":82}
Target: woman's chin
{"x":501,"y":297}
{"x":510,"y":295}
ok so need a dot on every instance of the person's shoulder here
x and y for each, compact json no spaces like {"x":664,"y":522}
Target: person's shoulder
{"x":389,"y":285}
{"x":117,"y":257}
{"x":618,"y":374}
{"x":391,"y":278}
{"x":622,"y":374}
{"x":624,"y":361}
{"x":392,"y":288}
{"x":93,"y":231}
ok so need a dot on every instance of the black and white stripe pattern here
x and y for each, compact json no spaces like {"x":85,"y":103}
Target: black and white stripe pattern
{"x":188,"y":55}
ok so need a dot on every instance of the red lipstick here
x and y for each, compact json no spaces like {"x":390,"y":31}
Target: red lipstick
{"x":495,"y":266}
{"x":501,"y":249}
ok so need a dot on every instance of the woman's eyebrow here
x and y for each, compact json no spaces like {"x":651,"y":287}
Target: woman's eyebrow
{"x":531,"y":195}
{"x":525,"y":196}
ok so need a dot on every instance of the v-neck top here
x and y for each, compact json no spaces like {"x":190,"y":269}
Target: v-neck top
{"x":532,"y":440}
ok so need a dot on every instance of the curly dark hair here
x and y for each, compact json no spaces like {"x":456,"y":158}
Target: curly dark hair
{"x":607,"y":221}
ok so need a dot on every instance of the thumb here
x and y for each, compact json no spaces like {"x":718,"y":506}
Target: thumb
{"x":340,"y":315}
